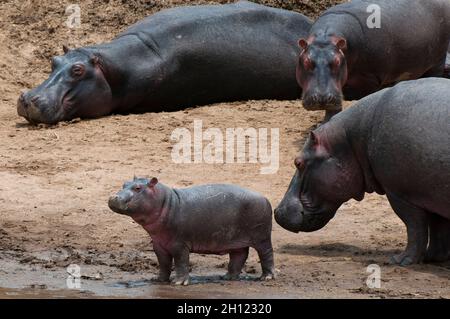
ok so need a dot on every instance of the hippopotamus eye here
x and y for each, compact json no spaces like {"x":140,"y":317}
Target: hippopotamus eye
{"x":299,"y":163}
{"x":137,"y":188}
{"x":77,"y":70}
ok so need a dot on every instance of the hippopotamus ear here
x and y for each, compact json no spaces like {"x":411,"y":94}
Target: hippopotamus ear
{"x":340,"y":43}
{"x":65,"y":49}
{"x":152,"y":182}
{"x":303,"y":44}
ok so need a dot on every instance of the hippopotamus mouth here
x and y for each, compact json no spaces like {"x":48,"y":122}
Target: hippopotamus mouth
{"x":27,"y":110}
{"x":316,"y":102}
{"x":118,"y":206}
{"x":34,"y":110}
{"x":298,"y":219}
{"x":299,"y":213}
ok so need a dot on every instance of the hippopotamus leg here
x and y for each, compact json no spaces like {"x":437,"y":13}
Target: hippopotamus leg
{"x":238,"y":258}
{"x":329,"y":115}
{"x":165,"y":261}
{"x":439,"y":246}
{"x":416,"y":221}
{"x":265,"y":253}
{"x":181,"y":258}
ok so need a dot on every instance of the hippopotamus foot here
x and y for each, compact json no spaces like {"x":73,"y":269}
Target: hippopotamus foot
{"x":439,"y":245}
{"x":265,"y":253}
{"x":181,"y":258}
{"x":403,"y":259}
{"x":160,"y":279}
{"x":416,"y":221}
{"x":237,"y":261}
{"x":267,"y":277}
{"x":181,"y":280}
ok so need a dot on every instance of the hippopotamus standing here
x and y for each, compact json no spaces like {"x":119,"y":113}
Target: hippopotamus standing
{"x":394,"y":142}
{"x":343,"y":56}
{"x":208,"y":219}
{"x":180,"y":57}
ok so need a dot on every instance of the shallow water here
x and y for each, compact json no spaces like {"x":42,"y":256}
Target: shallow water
{"x":32,"y":281}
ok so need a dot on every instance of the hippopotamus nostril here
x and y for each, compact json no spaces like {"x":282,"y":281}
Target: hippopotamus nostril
{"x":315,"y":97}
{"x":118,"y":204}
{"x":34,"y":99}
{"x":330,"y":98}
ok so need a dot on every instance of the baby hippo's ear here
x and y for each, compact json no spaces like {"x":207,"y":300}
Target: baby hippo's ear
{"x":66,"y":49}
{"x":152,"y":182}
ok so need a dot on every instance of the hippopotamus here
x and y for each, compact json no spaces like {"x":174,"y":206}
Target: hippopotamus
{"x":347,"y":56}
{"x":174,"y":59}
{"x":393,"y":142}
{"x":207,"y":219}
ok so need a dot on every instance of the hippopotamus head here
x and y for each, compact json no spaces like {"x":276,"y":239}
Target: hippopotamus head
{"x":76,"y":87}
{"x":322,"y":72}
{"x":140,"y":199}
{"x":327,"y":175}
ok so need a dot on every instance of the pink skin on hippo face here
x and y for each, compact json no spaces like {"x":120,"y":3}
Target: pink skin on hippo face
{"x":326,"y":178}
{"x":76,"y":87}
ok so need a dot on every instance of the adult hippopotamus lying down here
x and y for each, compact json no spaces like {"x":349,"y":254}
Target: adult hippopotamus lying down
{"x":344,"y":57}
{"x":394,"y":142}
{"x":176,"y":58}
{"x":207,"y":219}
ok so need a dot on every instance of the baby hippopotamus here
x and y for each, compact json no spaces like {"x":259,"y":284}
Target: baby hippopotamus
{"x":208,"y":219}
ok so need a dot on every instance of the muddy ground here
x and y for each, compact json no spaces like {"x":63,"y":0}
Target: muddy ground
{"x":55,"y":181}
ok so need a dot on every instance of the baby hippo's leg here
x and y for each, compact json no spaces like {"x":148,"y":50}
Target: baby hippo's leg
{"x":238,"y":258}
{"x":265,"y":253}
{"x":165,"y":263}
{"x":181,"y":258}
